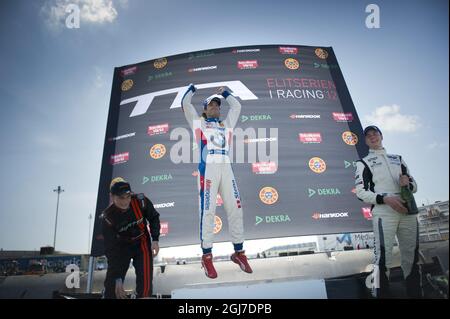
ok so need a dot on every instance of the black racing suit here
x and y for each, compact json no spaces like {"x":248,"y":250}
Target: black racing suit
{"x":126,"y":237}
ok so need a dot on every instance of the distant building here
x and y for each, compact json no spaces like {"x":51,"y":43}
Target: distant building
{"x":289,"y":250}
{"x":433,"y":222}
{"x":23,"y":261}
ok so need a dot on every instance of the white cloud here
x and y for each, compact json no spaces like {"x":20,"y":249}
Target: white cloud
{"x":99,"y":81}
{"x":91,"y":11}
{"x":123,"y":3}
{"x":437,"y":145}
{"x":389,"y":119}
{"x":48,"y":142}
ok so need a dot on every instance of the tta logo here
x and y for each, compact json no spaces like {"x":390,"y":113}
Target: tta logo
{"x":144,"y":101}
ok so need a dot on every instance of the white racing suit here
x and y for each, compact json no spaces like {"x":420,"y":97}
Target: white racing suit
{"x":377,"y":175}
{"x":215,"y":172}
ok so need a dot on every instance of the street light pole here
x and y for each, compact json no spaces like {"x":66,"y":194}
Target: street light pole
{"x":89,"y":232}
{"x":59,"y":190}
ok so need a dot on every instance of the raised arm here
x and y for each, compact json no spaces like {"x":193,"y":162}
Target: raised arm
{"x":235,"y":109}
{"x":189,"y":111}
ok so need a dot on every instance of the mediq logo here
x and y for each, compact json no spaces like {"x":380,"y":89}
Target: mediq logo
{"x":73,"y":280}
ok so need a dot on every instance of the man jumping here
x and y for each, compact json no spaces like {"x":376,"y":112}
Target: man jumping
{"x":216,"y":174}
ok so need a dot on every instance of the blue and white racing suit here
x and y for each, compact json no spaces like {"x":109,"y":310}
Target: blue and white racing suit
{"x":215,"y":172}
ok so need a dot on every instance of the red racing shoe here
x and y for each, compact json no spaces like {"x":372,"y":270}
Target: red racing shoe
{"x":240,"y":259}
{"x":207,"y":265}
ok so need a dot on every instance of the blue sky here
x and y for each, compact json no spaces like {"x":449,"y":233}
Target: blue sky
{"x":56,"y":86}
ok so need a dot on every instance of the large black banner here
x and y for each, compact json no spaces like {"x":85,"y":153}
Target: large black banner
{"x":294,"y":149}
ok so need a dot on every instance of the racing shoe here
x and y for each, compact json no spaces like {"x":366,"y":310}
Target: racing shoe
{"x":207,"y":265}
{"x":240,"y":259}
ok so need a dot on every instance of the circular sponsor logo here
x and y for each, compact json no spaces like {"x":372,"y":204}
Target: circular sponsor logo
{"x":127,"y":84}
{"x":217,"y":224}
{"x":321,"y":53}
{"x":160,"y":63}
{"x":157,"y":151}
{"x":268,"y":195}
{"x":350,"y":138}
{"x":317,"y":165}
{"x":291,"y":63}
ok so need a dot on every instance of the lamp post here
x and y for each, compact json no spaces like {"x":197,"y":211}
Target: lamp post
{"x":59,"y":190}
{"x":89,"y":232}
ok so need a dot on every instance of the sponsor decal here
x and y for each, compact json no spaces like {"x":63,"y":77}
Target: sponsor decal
{"x":283,"y":218}
{"x":245,"y":51}
{"x":158,"y":129}
{"x":259,"y":117}
{"x":317,"y":165}
{"x":348,"y":164}
{"x":160,"y":63}
{"x":304,"y":116}
{"x":164,"y":229}
{"x":350,"y":138}
{"x":219,"y":200}
{"x":310,"y":138}
{"x":165,"y":205}
{"x":367,"y":213}
{"x":121,"y":137}
{"x":394,"y":159}
{"x":318,"y":215}
{"x":264,"y":167}
{"x":259,"y":140}
{"x":128,"y":71}
{"x":288,"y":50}
{"x":127,"y":84}
{"x":321,"y":53}
{"x":291,"y":64}
{"x":200,"y":55}
{"x":268,"y":195}
{"x":156,"y":178}
{"x":301,"y":88}
{"x":323,"y":192}
{"x":159,"y":76}
{"x":157,"y":151}
{"x":204,"y":68}
{"x":342,"y":117}
{"x":301,"y":83}
{"x":217,"y":224}
{"x":236,"y":194}
{"x":120,"y":158}
{"x":207,"y":194}
{"x":249,"y":64}
{"x":324,"y":66}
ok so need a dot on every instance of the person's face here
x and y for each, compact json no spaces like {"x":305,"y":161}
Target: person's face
{"x":122,"y":201}
{"x":374,"y":140}
{"x":213,"y":109}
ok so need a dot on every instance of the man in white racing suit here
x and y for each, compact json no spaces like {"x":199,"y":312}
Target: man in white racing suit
{"x":215,"y":174}
{"x":378,"y":179}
